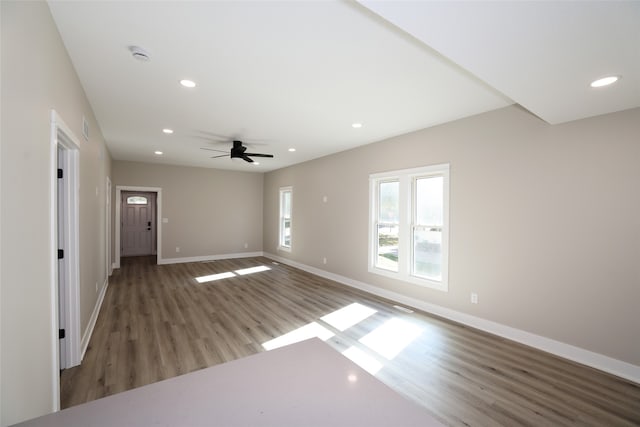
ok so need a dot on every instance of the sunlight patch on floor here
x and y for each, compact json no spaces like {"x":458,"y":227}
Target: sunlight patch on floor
{"x":348,"y":316}
{"x":229,"y":274}
{"x":310,"y":330}
{"x":252,"y":270}
{"x":387,"y":340}
{"x":214,"y":277}
{"x":392,"y":337}
{"x":363,"y":360}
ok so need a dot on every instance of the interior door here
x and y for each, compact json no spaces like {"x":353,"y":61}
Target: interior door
{"x":138,"y":223}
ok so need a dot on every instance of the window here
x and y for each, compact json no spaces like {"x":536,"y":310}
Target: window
{"x":388,"y":225}
{"x":409,"y":225}
{"x":284,"y":242}
{"x":137,"y":200}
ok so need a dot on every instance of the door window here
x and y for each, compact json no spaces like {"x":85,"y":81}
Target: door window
{"x":137,"y":200}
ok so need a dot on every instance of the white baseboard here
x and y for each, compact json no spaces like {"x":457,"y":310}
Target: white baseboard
{"x":92,"y":320}
{"x":208,"y":257}
{"x":595,"y":360}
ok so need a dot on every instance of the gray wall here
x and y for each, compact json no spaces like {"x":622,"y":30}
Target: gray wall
{"x":37,"y":76}
{"x":545,"y":221}
{"x":210,"y":212}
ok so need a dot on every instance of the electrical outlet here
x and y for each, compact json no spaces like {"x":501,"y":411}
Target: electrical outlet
{"x":474,"y":298}
{"x":177,"y":248}
{"x":96,"y":286}
{"x":324,"y":260}
{"x":246,"y":245}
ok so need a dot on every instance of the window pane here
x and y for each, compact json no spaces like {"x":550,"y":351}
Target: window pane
{"x":388,"y":246}
{"x":286,"y":238}
{"x":427,"y":252}
{"x":388,"y":225}
{"x":286,"y":204}
{"x":388,"y":210}
{"x":136,"y":200}
{"x":429,"y":200}
{"x":285,"y":218}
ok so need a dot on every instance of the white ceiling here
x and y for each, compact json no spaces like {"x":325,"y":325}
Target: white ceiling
{"x":298,"y":74}
{"x":541,"y":54}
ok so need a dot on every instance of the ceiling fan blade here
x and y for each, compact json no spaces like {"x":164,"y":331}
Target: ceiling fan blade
{"x":213,"y":140}
{"x":222,"y":155}
{"x":213,"y":149}
{"x":212,"y":135}
{"x":258,"y":155}
{"x":247,"y":159}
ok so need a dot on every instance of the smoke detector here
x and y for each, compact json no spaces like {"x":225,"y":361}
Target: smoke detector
{"x":139,"y":53}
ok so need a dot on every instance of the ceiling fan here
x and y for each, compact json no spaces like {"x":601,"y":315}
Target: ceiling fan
{"x":239,"y":151}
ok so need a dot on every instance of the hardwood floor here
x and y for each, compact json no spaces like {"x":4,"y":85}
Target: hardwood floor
{"x":157,"y":322}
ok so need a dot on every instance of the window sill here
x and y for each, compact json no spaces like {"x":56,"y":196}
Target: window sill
{"x":425,"y":283}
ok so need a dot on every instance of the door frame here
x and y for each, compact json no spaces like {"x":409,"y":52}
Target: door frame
{"x":151,"y":197}
{"x":62,"y":137}
{"x":109,"y":264}
{"x":118,"y":217}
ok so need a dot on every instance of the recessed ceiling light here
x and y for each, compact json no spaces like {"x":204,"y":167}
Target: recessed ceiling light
{"x":167,"y":130}
{"x":292,"y":149}
{"x":158,"y":153}
{"x":356,"y":125}
{"x":605,"y":81}
{"x":256,"y":163}
{"x":188,"y":83}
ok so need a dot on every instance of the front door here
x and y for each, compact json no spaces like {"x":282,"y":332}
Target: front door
{"x":138,"y":223}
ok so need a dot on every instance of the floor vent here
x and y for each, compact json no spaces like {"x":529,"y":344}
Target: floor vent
{"x":405,"y":309}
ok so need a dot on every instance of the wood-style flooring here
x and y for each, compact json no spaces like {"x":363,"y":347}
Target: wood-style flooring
{"x":157,"y":322}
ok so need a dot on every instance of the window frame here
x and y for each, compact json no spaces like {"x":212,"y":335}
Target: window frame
{"x":281,"y":219}
{"x":407,"y":208}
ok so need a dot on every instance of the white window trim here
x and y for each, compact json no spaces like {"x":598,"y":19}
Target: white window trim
{"x":406,"y":178}
{"x":281,"y":246}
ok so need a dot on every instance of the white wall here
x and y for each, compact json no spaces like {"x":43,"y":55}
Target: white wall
{"x":545,"y":221}
{"x":36,"y":77}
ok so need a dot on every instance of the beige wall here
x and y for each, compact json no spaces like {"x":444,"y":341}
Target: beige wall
{"x":210,"y":212}
{"x":37,"y":76}
{"x":545,"y":221}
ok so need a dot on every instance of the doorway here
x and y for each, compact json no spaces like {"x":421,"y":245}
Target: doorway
{"x":64,"y":240}
{"x":157,"y":233}
{"x":138,"y":223}
{"x":109,"y":265}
